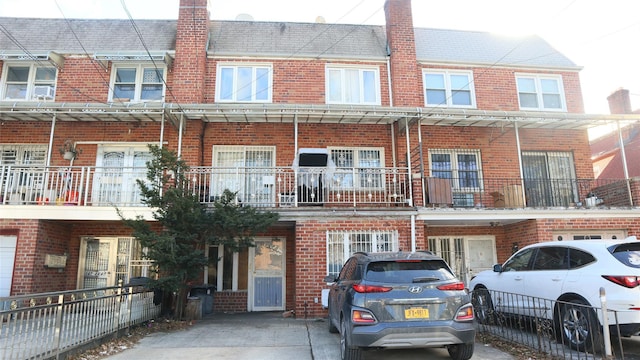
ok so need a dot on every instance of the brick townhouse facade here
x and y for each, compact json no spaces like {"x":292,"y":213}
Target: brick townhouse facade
{"x":362,"y":137}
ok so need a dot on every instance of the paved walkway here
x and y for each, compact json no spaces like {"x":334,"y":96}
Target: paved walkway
{"x":268,"y":336}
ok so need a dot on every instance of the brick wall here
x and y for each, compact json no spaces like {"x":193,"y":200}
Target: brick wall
{"x":189,"y":67}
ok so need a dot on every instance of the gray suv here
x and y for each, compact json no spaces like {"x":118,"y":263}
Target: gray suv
{"x":400,"y":300}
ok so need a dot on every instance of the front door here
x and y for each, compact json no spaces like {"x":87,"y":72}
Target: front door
{"x":7,"y":258}
{"x":96,"y":263}
{"x":267,"y":275}
{"x":466,"y":255}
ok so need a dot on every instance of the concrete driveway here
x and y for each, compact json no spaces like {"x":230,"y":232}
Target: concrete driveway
{"x":268,"y":336}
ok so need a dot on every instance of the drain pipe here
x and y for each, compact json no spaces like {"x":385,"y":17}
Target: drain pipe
{"x":624,"y":163}
{"x":605,"y":323}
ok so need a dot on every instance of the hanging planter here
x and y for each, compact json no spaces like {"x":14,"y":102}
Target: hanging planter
{"x":69,"y":151}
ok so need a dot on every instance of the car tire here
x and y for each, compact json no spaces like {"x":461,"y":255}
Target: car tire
{"x":580,"y":327}
{"x":332,"y":328}
{"x":483,"y":305}
{"x":346,"y":351}
{"x":460,"y":351}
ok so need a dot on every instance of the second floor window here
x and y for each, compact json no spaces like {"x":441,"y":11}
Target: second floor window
{"x":449,"y":88}
{"x":29,"y":82}
{"x":244,"y":83}
{"x":461,"y":166}
{"x":536,"y":92}
{"x":359,"y":168}
{"x":353,"y":86}
{"x":137,"y":83}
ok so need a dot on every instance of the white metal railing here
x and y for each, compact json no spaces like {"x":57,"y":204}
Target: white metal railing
{"x":258,"y":186}
{"x":43,"y":326}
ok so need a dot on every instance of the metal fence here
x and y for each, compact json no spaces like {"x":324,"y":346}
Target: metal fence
{"x":559,"y":329}
{"x":49,"y":325}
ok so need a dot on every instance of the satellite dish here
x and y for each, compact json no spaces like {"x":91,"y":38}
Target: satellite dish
{"x":244,"y":17}
{"x":320,"y":20}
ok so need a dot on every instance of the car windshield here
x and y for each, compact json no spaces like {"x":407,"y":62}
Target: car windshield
{"x":628,"y":254}
{"x":408,"y":271}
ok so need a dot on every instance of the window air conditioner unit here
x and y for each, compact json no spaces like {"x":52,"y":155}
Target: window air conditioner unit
{"x":43,"y":92}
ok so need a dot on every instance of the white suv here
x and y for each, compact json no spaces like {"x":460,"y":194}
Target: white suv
{"x":569,"y":274}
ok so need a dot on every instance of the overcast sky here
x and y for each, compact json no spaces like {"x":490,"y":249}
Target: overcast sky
{"x":601,"y":36}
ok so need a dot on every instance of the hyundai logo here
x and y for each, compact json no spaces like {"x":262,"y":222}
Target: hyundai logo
{"x":415,"y":289}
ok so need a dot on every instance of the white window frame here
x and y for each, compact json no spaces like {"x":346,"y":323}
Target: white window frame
{"x":342,"y":71}
{"x":254,"y":77}
{"x":31,"y":82}
{"x":342,"y":244}
{"x":353,"y":176}
{"x":455,"y":168}
{"x":139,"y":67}
{"x":448,"y":89}
{"x":537,"y":79}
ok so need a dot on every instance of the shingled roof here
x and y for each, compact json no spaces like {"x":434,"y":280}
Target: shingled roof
{"x":278,"y":39}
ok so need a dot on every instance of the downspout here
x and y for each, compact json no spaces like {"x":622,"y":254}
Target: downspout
{"x":515,"y":125}
{"x":295,"y":153}
{"x":624,"y":163}
{"x":180,"y":135}
{"x":413,"y":217}
{"x":422,"y":172}
{"x":161,"y":131}
{"x":53,"y":129}
{"x":393,"y":137}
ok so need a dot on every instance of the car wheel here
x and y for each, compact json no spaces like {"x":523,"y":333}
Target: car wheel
{"x":580,"y":326}
{"x":483,"y":305}
{"x":332,"y":328}
{"x":460,"y":351}
{"x":346,"y":351}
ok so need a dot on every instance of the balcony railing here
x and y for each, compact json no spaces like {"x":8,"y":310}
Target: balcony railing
{"x":261,"y":187}
{"x":286,"y":187}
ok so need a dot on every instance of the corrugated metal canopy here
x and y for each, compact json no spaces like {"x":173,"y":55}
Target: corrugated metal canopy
{"x":309,"y":113}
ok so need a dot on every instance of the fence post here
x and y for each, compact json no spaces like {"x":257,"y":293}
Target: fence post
{"x":117,"y":309}
{"x":58,"y":329}
{"x":605,"y":323}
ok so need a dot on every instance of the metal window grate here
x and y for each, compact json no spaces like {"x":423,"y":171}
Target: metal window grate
{"x":342,"y":244}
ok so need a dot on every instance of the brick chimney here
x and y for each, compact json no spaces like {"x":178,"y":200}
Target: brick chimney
{"x":189,"y":66}
{"x":403,"y":62}
{"x":619,"y":102}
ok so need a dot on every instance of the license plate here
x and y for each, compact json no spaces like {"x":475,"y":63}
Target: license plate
{"x":416,"y":313}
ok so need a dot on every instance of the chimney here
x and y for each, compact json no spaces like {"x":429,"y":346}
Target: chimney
{"x":402,"y":51}
{"x":192,"y":37}
{"x":619,"y":102}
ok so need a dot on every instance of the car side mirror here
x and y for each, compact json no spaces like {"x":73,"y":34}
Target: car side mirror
{"x":497,"y":268}
{"x":330,"y":279}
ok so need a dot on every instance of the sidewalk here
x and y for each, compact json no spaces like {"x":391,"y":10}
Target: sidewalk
{"x":268,"y":336}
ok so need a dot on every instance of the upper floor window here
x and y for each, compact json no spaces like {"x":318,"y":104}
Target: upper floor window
{"x":540,"y":92}
{"x":244,"y":83}
{"x":352,"y":85}
{"x":358,"y":167}
{"x":132,"y":83}
{"x":449,"y":88}
{"x":463,"y":167}
{"x":29,"y":82}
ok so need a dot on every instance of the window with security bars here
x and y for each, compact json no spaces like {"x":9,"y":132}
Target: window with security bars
{"x":451,"y":249}
{"x":359,"y":168}
{"x":462,"y":167}
{"x":22,"y":167}
{"x":342,"y":244}
{"x":247,"y":170}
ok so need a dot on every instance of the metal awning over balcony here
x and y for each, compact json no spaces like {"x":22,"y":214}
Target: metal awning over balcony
{"x":305,"y":113}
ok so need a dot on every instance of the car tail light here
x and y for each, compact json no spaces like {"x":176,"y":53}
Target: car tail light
{"x":465,"y":313}
{"x":362,"y":317}
{"x":452,"y":286}
{"x":626,"y":281}
{"x":371,"y":288}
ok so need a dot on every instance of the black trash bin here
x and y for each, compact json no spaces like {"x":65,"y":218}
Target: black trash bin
{"x":205,"y":293}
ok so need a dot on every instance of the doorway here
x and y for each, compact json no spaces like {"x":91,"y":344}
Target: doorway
{"x":267,"y":275}
{"x":466,"y":255}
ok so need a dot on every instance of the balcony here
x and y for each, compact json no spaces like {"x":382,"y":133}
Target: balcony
{"x":278,"y":187}
{"x":286,"y":188}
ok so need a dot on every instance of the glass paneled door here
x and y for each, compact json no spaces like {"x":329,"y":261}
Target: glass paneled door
{"x":267,"y":274}
{"x":246,"y":170}
{"x":549,"y":178}
{"x":117,"y":169}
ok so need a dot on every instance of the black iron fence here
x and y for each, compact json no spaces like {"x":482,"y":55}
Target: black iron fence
{"x":570,"y":329}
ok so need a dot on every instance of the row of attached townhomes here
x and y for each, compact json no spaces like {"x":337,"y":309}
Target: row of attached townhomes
{"x":362,"y":137}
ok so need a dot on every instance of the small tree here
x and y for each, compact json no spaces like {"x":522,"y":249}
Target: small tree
{"x":187,"y":225}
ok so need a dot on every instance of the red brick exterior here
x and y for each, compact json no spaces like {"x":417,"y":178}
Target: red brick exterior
{"x":192,"y":80}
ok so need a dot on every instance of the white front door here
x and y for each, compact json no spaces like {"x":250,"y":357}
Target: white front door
{"x":466,"y":255}
{"x":117,"y":170}
{"x":7,"y":258}
{"x":267,"y":275}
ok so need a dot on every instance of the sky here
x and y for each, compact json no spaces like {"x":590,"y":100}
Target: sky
{"x":600,"y":36}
